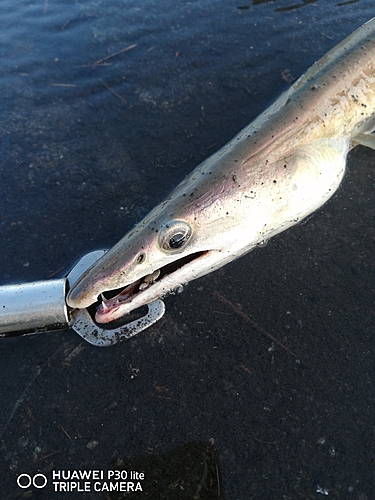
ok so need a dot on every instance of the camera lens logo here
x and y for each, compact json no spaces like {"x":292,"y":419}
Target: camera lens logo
{"x":25,"y":480}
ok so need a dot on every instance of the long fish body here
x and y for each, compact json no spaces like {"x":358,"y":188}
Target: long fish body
{"x":279,"y":169}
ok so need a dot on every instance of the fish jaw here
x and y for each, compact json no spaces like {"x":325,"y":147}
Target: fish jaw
{"x":132,"y":297}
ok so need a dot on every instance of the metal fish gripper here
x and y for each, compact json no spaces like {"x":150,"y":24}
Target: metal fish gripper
{"x":40,"y":306}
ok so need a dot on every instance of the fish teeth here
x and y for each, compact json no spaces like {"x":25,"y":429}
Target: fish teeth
{"x":153,"y":276}
{"x":149,"y":279}
{"x":104,"y":303}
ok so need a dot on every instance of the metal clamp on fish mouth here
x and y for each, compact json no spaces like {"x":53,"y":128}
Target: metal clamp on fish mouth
{"x":40,"y":306}
{"x":85,"y":326}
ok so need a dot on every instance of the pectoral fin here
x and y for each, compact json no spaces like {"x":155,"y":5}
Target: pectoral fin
{"x":367,"y":140}
{"x":317,"y":169}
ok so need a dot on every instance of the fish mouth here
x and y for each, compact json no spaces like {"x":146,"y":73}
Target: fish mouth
{"x":113,"y":304}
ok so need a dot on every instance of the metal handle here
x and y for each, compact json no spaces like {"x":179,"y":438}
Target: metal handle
{"x":40,"y":306}
{"x":33,"y":307}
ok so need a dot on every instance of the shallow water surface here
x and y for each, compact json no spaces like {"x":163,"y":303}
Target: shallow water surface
{"x":105,"y":106}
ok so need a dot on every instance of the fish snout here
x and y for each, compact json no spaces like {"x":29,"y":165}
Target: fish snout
{"x":81,"y":298}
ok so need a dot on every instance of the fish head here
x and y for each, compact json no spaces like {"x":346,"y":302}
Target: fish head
{"x":180,"y":240}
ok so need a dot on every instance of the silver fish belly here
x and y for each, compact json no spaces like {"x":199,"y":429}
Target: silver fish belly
{"x":282,"y":167}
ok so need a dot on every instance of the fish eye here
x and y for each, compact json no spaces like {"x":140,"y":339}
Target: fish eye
{"x":174,"y":235}
{"x":177,"y":240}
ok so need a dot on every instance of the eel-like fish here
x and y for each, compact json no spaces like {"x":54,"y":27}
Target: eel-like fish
{"x":279,"y":169}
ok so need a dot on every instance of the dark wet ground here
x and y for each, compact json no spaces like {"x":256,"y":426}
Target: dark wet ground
{"x":204,"y":402}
